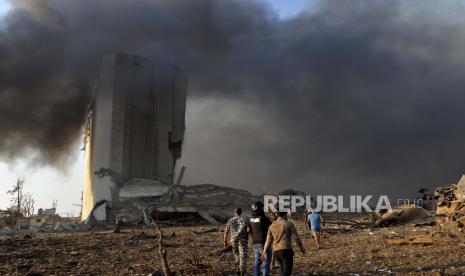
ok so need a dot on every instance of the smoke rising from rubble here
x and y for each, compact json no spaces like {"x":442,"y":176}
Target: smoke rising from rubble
{"x":349,"y":96}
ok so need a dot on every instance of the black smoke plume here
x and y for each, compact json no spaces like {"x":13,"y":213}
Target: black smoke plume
{"x":346,"y":97}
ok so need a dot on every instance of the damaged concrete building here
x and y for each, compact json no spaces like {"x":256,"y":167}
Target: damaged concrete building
{"x":135,"y":129}
{"x":134,"y":135}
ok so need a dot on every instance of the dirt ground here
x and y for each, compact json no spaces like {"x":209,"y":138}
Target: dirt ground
{"x":196,"y":251}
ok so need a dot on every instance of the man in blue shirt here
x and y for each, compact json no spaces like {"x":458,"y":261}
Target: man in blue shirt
{"x":314,"y":221}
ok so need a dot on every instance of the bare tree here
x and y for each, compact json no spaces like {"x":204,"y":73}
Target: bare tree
{"x":22,"y":205}
{"x":54,"y":203}
{"x":16,"y":194}
{"x":28,"y":205}
{"x":11,"y":215}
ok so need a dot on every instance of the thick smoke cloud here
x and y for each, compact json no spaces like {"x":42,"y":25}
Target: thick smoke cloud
{"x":347,"y":97}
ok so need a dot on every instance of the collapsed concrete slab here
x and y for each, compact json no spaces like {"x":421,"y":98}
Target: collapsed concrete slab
{"x":210,"y":203}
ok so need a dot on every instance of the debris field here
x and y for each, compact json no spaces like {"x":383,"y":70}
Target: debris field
{"x":197,"y":250}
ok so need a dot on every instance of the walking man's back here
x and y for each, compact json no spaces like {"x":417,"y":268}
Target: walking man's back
{"x":259,"y":224}
{"x":280,"y":236}
{"x":236,"y":230}
{"x":315,"y":220}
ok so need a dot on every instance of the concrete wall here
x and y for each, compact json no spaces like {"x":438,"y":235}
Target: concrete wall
{"x":137,"y":124}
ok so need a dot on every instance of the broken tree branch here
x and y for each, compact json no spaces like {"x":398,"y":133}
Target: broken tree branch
{"x":163,"y":254}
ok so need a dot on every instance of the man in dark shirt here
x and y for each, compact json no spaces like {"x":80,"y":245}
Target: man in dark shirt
{"x":258,"y":229}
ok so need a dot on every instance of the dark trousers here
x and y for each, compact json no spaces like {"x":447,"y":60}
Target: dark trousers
{"x":285,"y":259}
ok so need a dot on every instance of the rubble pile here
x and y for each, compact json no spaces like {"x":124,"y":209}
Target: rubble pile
{"x":49,"y":228}
{"x":209,"y":203}
{"x":450,"y":212}
{"x":411,"y":215}
{"x":445,"y":194}
{"x":444,"y":207}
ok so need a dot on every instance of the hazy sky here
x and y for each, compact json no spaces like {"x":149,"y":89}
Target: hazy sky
{"x":4,"y":7}
{"x":47,"y":184}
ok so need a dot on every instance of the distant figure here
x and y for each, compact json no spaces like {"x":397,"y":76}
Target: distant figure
{"x":280,"y":235}
{"x":236,"y":230}
{"x":314,"y":221}
{"x":259,"y":224}
{"x":306,"y":221}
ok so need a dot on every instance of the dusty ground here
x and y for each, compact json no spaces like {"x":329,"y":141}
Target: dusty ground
{"x":192,"y":250}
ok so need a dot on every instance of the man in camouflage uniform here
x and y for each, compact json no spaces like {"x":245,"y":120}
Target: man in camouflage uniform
{"x":236,"y":230}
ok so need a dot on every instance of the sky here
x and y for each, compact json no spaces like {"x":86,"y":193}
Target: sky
{"x":47,"y":184}
{"x":323,"y":96}
{"x":4,"y":7}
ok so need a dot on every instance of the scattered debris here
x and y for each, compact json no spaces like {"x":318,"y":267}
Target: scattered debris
{"x":385,"y":270}
{"x":58,"y":227}
{"x":137,"y":252}
{"x":163,"y":254}
{"x":403,"y":215}
{"x":450,"y":213}
{"x":415,"y":240}
{"x":360,"y":224}
{"x":5,"y":231}
{"x":210,"y":230}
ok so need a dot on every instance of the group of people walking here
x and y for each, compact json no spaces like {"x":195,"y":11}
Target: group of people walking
{"x":271,"y":241}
